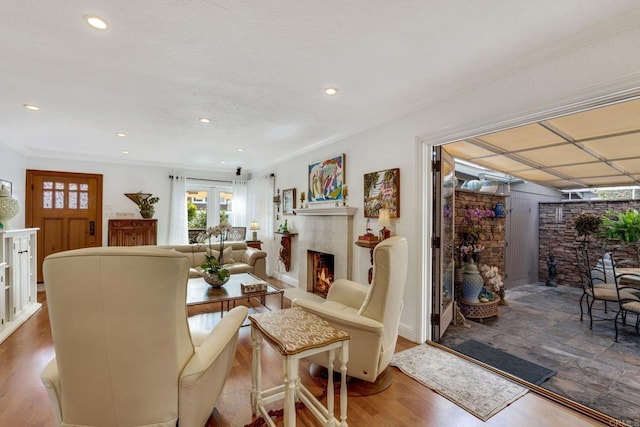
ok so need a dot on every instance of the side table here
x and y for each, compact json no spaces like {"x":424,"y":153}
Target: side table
{"x":297,"y":334}
{"x":285,"y":250}
{"x":370,"y":246}
{"x":257,"y":244}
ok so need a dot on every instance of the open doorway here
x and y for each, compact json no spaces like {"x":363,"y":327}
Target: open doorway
{"x":561,"y":157}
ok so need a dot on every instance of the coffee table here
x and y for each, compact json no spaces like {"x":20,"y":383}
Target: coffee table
{"x":199,"y":292}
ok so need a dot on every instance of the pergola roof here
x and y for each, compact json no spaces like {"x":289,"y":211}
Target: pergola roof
{"x":595,"y":148}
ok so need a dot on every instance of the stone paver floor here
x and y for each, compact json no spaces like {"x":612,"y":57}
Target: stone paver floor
{"x":542,"y":325}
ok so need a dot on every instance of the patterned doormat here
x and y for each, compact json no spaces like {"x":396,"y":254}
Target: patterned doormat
{"x":473,"y":388}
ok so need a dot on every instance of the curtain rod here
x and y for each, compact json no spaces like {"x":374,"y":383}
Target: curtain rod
{"x":205,"y":179}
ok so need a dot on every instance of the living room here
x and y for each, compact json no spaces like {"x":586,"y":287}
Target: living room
{"x":599,"y":65}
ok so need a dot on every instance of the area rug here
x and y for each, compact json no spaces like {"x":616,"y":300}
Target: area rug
{"x":473,"y":388}
{"x":506,"y":362}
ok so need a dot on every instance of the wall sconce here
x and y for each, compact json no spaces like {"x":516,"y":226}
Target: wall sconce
{"x":277,"y":200}
{"x":384,"y":220}
{"x":254,"y":226}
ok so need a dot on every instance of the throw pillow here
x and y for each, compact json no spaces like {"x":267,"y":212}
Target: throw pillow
{"x":227,"y":255}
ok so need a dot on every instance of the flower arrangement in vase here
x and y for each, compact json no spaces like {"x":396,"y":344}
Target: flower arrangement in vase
{"x":493,"y":282}
{"x":472,"y":230}
{"x":213,"y":269}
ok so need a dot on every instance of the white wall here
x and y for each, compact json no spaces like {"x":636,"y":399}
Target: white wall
{"x":12,"y":168}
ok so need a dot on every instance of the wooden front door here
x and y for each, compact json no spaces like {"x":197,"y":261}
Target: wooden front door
{"x":67,"y":208}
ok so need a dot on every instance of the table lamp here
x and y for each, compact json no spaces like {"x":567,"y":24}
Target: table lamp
{"x":254,"y":227}
{"x":384,"y":220}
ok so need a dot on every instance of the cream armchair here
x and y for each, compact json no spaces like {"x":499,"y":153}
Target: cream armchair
{"x":369,"y":313}
{"x":124,"y":353}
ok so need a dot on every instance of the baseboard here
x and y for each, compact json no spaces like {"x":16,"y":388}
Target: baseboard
{"x":286,"y":279}
{"x":408,"y":332}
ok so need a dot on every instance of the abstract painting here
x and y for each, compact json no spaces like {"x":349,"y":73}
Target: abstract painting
{"x":326,"y":179}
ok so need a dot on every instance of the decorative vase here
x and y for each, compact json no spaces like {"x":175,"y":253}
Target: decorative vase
{"x":147,"y":213}
{"x":9,"y":207}
{"x":472,"y":283}
{"x":214,"y":281}
{"x":499,"y":210}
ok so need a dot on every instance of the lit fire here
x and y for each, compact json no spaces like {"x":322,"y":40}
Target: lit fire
{"x":324,"y":281}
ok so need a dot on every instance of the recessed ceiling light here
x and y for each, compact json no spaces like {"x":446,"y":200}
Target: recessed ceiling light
{"x":125,"y":152}
{"x":223,"y":162}
{"x":96,"y":22}
{"x":31,"y":107}
{"x":205,"y":120}
{"x":240,"y":149}
{"x":331,"y":91}
{"x":120,"y":134}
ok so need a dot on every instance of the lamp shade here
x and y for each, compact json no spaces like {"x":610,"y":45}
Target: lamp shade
{"x":384,"y":218}
{"x":254,"y":226}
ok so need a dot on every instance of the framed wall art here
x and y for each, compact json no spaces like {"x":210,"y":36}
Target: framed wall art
{"x":7,"y":184}
{"x":382,"y":190}
{"x":288,"y":201}
{"x":326,"y":179}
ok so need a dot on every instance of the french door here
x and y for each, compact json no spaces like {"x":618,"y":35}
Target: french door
{"x":443,"y":170}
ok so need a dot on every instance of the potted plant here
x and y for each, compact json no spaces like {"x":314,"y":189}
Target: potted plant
{"x":213,"y":269}
{"x":623,"y":226}
{"x":587,"y":225}
{"x":145,"y":202}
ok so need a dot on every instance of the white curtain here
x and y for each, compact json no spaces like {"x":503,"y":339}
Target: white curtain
{"x":260,"y":206}
{"x":239,"y":208}
{"x":178,"y":226}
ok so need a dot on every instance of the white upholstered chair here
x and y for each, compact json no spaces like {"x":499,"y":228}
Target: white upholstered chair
{"x":369,"y":313}
{"x":124,"y":353}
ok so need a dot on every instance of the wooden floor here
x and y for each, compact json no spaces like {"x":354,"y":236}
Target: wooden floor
{"x":23,"y":400}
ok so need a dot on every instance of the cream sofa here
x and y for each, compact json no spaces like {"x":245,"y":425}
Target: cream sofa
{"x":245,"y":258}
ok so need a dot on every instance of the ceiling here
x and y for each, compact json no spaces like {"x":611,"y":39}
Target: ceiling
{"x":595,"y":148}
{"x":257,"y":70}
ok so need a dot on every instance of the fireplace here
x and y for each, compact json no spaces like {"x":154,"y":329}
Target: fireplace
{"x":320,"y":272}
{"x":327,"y":230}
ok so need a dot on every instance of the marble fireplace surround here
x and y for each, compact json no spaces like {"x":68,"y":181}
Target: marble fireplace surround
{"x":328,"y":230}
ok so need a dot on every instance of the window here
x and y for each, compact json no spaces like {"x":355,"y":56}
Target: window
{"x":201,"y":212}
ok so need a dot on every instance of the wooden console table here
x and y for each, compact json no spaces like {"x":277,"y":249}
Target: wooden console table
{"x":285,"y":250}
{"x":255,"y":244}
{"x":370,"y":246}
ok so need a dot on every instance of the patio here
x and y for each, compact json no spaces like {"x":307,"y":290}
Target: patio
{"x":542,"y":325}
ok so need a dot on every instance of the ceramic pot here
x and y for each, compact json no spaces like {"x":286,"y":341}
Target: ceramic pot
{"x":147,"y":213}
{"x":213,"y":280}
{"x":9,"y":207}
{"x":472,"y":283}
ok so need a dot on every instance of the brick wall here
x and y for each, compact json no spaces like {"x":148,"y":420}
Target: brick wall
{"x":494,"y":227}
{"x":558,"y":237}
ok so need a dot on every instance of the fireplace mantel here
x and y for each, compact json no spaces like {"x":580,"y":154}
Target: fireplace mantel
{"x":332,"y":211}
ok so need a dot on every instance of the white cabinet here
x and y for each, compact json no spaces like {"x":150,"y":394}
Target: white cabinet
{"x":19,"y":272}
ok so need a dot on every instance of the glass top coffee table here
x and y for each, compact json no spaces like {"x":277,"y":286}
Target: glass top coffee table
{"x":199,"y":292}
